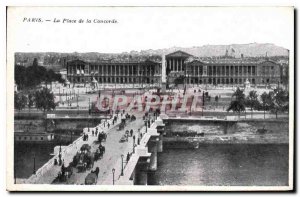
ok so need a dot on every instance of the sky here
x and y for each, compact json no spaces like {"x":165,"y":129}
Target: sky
{"x":142,"y":28}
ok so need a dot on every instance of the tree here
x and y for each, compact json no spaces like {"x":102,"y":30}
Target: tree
{"x":35,"y":62}
{"x":217,"y":99}
{"x":252,"y":101}
{"x":20,"y":101}
{"x":44,"y":100}
{"x":239,"y":94}
{"x":179,"y":80}
{"x":20,"y":76}
{"x":265,"y":100}
{"x":280,"y":99}
{"x":30,"y":100}
{"x":237,"y":105}
{"x":34,"y":75}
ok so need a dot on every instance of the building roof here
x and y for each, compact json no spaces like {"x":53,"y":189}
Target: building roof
{"x":121,"y":62}
{"x":230,"y":61}
{"x":179,"y":53}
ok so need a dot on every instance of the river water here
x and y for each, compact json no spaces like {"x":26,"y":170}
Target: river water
{"x":24,"y":158}
{"x":223,"y":165}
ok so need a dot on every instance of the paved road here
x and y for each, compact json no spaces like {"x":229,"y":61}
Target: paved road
{"x":112,"y":157}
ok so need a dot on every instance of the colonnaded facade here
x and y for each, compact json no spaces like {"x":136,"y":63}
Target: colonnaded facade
{"x":177,"y":64}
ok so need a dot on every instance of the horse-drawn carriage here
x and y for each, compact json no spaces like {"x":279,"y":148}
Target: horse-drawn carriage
{"x":102,"y":136}
{"x":64,"y":174}
{"x":84,"y":159}
{"x":124,"y":138}
{"x":122,"y":125}
{"x":99,"y":152}
{"x":133,"y":118}
{"x":91,"y":178}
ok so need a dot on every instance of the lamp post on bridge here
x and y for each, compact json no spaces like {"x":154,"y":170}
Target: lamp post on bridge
{"x":203,"y":100}
{"x":133,"y":143}
{"x":146,"y":124}
{"x":113,"y":172}
{"x":34,"y":163}
{"x":122,"y":173}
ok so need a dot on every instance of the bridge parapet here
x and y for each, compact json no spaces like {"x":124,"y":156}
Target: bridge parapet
{"x":143,"y":159}
{"x":136,"y":168}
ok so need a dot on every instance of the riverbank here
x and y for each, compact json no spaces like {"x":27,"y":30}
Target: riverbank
{"x":194,"y":142}
{"x":192,"y":133}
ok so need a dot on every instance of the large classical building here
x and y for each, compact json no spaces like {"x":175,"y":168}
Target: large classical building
{"x":226,"y":70}
{"x":114,"y":72}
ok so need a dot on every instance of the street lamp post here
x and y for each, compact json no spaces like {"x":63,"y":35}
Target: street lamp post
{"x":113,"y":172}
{"x":122,"y":173}
{"x":59,"y":94}
{"x":89,"y":106}
{"x":203,"y":100}
{"x":191,"y":106}
{"x":34,"y":164}
{"x":133,"y":143}
{"x":15,"y":174}
{"x":77,"y":106}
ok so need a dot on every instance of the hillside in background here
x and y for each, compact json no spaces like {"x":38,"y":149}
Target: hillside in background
{"x":249,"y":50}
{"x":54,"y":59}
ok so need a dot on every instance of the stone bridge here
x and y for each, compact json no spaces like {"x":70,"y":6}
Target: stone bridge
{"x":144,"y":158}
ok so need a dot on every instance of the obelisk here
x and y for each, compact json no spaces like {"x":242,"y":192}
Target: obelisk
{"x":163,"y":73}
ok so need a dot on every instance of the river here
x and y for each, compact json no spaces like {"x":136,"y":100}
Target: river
{"x":223,"y":165}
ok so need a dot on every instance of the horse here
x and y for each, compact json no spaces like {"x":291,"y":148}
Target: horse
{"x":91,"y":179}
{"x":68,"y":171}
{"x":101,"y":149}
{"x":97,"y":155}
{"x":96,"y":171}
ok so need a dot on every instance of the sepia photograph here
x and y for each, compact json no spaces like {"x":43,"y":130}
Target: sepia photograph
{"x":150,"y":99}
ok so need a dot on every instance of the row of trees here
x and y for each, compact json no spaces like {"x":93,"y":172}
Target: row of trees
{"x":275,"y":101}
{"x":42,"y":99}
{"x":31,"y":76}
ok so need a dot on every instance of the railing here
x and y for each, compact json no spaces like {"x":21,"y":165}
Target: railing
{"x":67,"y":150}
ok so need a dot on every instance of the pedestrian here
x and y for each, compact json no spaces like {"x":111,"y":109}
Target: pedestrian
{"x":63,"y":168}
{"x":92,"y":132}
{"x":131,"y":132}
{"x":108,"y":125}
{"x":128,"y":157}
{"x":133,"y":138}
{"x":59,"y":159}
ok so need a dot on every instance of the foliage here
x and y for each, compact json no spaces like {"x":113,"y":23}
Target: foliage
{"x":275,"y":101}
{"x":239,"y":95}
{"x":179,"y":80}
{"x":32,"y":76}
{"x":20,"y":101}
{"x":30,"y":100}
{"x":237,"y":105}
{"x":280,"y":99}
{"x":266,"y":100}
{"x":252,"y":100}
{"x":44,"y":100}
{"x":216,"y":98}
